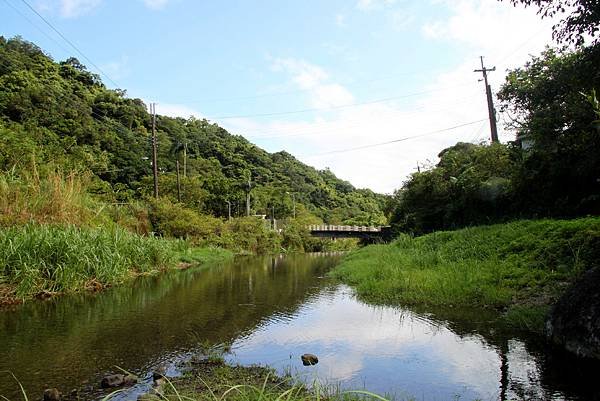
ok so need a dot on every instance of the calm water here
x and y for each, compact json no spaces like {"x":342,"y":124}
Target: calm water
{"x":272,"y":310}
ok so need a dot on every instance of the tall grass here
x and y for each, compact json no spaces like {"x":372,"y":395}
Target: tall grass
{"x":55,"y":198}
{"x":521,"y":263}
{"x":36,"y":258}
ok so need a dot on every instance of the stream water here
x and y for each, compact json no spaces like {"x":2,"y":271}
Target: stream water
{"x":270,"y":311}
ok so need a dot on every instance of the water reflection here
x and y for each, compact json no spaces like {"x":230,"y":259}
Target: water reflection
{"x":272,"y":310}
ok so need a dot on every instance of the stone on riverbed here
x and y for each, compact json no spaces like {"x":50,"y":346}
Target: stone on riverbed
{"x":309,"y":359}
{"x":159,"y":373}
{"x":52,"y":394}
{"x":118,"y":380}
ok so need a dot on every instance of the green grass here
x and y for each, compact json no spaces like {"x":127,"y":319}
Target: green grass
{"x":49,"y":258}
{"x":217,"y":381}
{"x":521,"y":267}
{"x":204,"y":256}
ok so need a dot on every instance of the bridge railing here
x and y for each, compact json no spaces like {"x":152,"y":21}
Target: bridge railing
{"x":323,"y":227}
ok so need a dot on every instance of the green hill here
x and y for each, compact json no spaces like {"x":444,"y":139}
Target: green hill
{"x":59,"y":115}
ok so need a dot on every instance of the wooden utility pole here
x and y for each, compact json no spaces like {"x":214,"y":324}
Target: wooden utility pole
{"x":178,"y":184}
{"x":154,"y":152}
{"x":490,"y":101}
{"x":185,"y":159}
{"x":248,"y":194}
{"x":228,"y":210}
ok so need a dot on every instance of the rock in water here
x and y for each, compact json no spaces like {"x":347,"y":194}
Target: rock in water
{"x":52,"y":394}
{"x":112,"y":381}
{"x":159,"y":373}
{"x":309,"y":359}
{"x":118,"y":380}
{"x":574,"y":322}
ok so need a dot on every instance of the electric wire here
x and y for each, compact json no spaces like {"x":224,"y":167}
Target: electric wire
{"x":226,"y":117}
{"x":70,"y":43}
{"x":363,"y":122}
{"x":398,"y":140}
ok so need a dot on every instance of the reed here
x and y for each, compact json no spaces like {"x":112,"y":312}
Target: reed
{"x":36,"y":258}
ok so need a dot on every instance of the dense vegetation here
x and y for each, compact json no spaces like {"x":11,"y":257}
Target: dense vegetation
{"x":550,"y":170}
{"x":520,"y":268}
{"x":61,"y":114}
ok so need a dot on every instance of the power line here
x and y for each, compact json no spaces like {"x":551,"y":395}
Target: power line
{"x":35,"y":25}
{"x":309,"y":132}
{"x":338,"y":107}
{"x":393,"y":111}
{"x":70,"y":43}
{"x":398,"y":140}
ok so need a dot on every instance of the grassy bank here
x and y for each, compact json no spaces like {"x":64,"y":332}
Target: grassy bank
{"x":41,"y":260}
{"x":520,"y":267}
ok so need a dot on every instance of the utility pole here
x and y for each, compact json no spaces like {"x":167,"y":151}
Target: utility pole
{"x":293,"y":202}
{"x":154,"y":152}
{"x":490,"y":101}
{"x":185,"y":159}
{"x":248,"y":194}
{"x":273,"y":217}
{"x":178,"y":183}
{"x":228,"y":210}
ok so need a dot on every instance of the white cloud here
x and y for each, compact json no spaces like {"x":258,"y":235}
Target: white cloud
{"x":315,"y":81}
{"x":340,"y":20}
{"x":176,"y":110}
{"x":401,"y":19}
{"x":505,"y":35}
{"x":373,"y":4}
{"x":69,"y":8}
{"x":117,"y":69}
{"x":155,"y":4}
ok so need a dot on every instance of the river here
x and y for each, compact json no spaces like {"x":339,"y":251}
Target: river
{"x":269,"y":311}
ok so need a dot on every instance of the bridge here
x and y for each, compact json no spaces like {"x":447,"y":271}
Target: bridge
{"x":362,"y":232}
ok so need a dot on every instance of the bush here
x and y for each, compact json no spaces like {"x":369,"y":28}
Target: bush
{"x":251,"y":234}
{"x":174,"y":220}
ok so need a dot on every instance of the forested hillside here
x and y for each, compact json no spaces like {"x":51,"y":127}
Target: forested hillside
{"x":58,"y":115}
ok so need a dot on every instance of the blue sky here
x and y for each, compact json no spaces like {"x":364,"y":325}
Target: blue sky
{"x":314,"y":78}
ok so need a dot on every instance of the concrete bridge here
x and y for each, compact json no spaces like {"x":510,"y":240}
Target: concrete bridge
{"x":363,"y":232}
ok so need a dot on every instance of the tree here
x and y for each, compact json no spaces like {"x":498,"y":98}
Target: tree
{"x":583,"y":18}
{"x":549,"y":101}
{"x":470,"y":185}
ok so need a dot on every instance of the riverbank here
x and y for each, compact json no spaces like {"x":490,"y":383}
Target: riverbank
{"x":212,"y":379}
{"x":520,"y":268}
{"x":41,"y":261}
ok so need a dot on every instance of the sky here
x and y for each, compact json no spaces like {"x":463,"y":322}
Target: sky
{"x":332,"y":82}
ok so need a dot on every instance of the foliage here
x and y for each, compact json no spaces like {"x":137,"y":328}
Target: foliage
{"x":559,"y":171}
{"x":62,"y":113}
{"x":583,"y":18}
{"x":522,"y":264}
{"x":470,"y":185}
{"x":250,"y":234}
{"x":174,"y":220}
